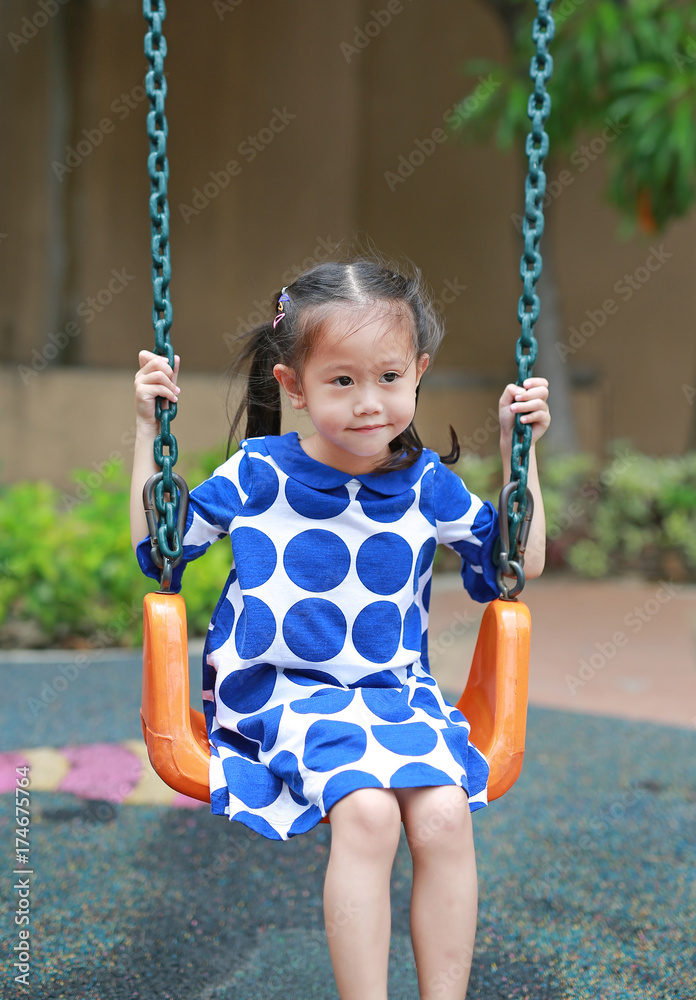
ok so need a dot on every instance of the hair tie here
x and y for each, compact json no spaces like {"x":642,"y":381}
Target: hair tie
{"x":281,"y":308}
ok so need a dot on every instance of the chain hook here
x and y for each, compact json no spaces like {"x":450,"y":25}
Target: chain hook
{"x":163,"y":555}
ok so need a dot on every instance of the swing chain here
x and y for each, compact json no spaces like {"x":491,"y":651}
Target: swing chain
{"x":516,"y":500}
{"x":165,"y":536}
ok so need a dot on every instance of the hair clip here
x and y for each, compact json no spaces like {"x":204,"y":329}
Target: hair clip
{"x":281,"y":308}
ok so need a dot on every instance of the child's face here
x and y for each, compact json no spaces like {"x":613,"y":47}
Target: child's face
{"x":359,"y":387}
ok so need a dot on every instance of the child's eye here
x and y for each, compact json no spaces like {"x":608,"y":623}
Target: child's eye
{"x":390,"y":376}
{"x":343,"y":380}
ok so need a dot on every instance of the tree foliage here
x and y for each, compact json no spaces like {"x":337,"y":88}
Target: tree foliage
{"x":630,"y":63}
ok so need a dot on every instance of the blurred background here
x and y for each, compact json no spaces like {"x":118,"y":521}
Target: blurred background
{"x":297,"y":129}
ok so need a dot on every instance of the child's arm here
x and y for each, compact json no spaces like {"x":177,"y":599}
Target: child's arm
{"x":530,"y":401}
{"x":155,"y":378}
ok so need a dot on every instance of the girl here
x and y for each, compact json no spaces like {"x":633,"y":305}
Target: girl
{"x":317,"y":691}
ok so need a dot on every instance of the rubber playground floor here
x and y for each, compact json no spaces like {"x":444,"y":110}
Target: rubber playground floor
{"x":586,"y":867}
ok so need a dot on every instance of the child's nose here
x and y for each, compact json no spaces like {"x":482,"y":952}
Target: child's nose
{"x":368,"y":402}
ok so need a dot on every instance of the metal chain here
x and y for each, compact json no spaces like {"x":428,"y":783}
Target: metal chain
{"x":516,"y":503}
{"x":166,"y":541}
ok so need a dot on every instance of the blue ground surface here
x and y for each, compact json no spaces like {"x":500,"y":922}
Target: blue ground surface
{"x":586,"y":869}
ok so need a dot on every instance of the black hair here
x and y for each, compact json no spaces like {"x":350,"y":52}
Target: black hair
{"x":362,"y":281}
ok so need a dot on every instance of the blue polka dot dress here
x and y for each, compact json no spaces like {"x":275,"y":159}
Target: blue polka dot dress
{"x":315,"y":669}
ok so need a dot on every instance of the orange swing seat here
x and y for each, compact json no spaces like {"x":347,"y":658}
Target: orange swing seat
{"x":494,"y":700}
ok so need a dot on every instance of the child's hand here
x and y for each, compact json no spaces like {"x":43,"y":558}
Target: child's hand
{"x":155,"y":378}
{"x":529,"y":400}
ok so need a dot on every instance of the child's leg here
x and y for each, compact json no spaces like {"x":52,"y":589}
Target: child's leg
{"x":444,"y":897}
{"x":365,"y":830}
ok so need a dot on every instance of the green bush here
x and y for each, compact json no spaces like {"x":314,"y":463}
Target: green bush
{"x":68,"y":575}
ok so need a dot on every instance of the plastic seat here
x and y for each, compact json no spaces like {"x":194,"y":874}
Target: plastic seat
{"x":494,"y":700}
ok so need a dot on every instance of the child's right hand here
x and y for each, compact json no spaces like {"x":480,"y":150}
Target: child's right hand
{"x":154,"y":379}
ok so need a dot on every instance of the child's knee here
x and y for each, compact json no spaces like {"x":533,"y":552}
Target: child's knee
{"x":437,"y":815}
{"x":368,"y":813}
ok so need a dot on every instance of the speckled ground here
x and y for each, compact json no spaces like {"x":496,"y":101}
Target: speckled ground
{"x":587,"y":873}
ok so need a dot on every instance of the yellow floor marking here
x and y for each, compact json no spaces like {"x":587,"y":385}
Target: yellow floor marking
{"x":150,"y":790}
{"x":48,"y":768}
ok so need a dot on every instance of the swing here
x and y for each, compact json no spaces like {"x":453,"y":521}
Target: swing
{"x":495,"y":697}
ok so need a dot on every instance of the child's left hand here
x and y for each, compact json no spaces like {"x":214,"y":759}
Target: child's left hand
{"x":529,"y":400}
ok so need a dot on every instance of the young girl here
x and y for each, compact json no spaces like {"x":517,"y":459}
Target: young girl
{"x":316,"y":685}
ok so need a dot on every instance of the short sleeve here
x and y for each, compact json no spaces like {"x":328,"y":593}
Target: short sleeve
{"x":468,"y":525}
{"x":212,"y":507}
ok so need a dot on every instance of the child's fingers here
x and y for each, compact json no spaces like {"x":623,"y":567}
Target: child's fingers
{"x":154,"y":379}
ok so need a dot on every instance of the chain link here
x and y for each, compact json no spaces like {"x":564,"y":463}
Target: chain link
{"x":168,"y":545}
{"x":537,"y":147}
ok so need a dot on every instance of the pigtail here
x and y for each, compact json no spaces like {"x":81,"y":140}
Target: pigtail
{"x":261,"y":405}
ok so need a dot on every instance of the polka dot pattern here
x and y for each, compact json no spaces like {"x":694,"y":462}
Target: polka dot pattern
{"x":377,"y":631}
{"x":315,"y":668}
{"x":316,"y":560}
{"x":315,"y":629}
{"x":255,"y":628}
{"x":329,"y":744}
{"x":384,"y":509}
{"x":255,"y":555}
{"x":384,"y":562}
{"x":312,"y":504}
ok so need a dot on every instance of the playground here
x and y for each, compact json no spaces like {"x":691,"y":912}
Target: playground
{"x":586,"y":866}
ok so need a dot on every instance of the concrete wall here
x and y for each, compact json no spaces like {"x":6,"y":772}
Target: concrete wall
{"x":70,"y":231}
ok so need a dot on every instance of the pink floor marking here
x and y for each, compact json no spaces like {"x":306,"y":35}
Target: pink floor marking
{"x":106,"y":771}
